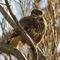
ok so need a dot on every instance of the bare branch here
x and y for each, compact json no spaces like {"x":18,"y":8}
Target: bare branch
{"x":7,"y":17}
{"x":10,"y":11}
{"x":36,"y":4}
{"x":10,"y":50}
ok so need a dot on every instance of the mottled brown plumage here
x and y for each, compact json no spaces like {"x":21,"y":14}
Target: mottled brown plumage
{"x":34,"y":25}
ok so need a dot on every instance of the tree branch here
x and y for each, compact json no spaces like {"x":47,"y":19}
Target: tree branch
{"x":10,"y":50}
{"x":7,"y":17}
{"x":10,"y":11}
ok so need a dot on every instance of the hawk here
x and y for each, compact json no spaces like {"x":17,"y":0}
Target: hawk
{"x":34,"y":25}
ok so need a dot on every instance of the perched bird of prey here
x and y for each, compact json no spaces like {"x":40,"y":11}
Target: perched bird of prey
{"x":34,"y":25}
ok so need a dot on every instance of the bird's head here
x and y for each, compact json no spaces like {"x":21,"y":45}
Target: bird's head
{"x":36,"y":12}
